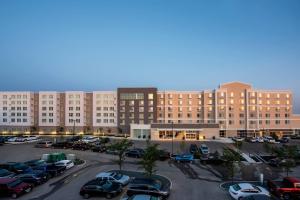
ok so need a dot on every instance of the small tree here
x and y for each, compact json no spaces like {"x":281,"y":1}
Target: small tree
{"x":121,"y":147}
{"x":182,"y":146}
{"x":149,"y":158}
{"x":230,"y":159}
{"x":287,"y":165}
{"x":238,"y":144}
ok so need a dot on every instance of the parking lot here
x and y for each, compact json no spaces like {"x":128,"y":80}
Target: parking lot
{"x":189,"y":180}
{"x":67,"y":186}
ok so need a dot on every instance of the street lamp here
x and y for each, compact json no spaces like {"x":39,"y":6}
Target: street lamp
{"x":172,"y":136}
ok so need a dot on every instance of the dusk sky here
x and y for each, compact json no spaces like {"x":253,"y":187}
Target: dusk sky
{"x":174,"y":45}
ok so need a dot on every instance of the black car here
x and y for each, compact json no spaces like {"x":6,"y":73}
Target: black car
{"x":2,"y":140}
{"x":135,"y":153}
{"x":98,"y":187}
{"x":74,"y":139}
{"x":62,"y":145}
{"x":81,"y":146}
{"x":147,"y":186}
{"x":34,"y":178}
{"x":4,"y":173}
{"x":193,"y":148}
{"x":18,"y":168}
{"x":163,"y":155}
{"x":98,"y":148}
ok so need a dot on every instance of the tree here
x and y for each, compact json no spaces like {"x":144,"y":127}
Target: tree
{"x":149,"y":158}
{"x":121,"y":147}
{"x":238,"y":144}
{"x":230,"y":159}
{"x":182,"y":146}
{"x":287,"y":165}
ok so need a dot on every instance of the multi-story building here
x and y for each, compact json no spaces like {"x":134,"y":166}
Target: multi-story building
{"x":16,"y":111}
{"x":104,"y":111}
{"x":49,"y":112}
{"x":136,"y":106}
{"x":233,"y":109}
{"x":75,"y":111}
{"x":236,"y":107}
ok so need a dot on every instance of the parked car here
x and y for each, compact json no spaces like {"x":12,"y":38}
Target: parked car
{"x":252,"y":140}
{"x":35,"y":177}
{"x":259,"y":139}
{"x":193,"y":148}
{"x":204,"y":149}
{"x":142,"y":197}
{"x":62,"y":145}
{"x":81,"y":146}
{"x":242,"y":190}
{"x":31,"y":137}
{"x":18,"y":168}
{"x":114,"y":176}
{"x":13,"y":187}
{"x":238,"y":139}
{"x":68,"y":164}
{"x":98,"y":148}
{"x":51,"y":169}
{"x":2,"y":140}
{"x":284,"y":140}
{"x":97,"y":187}
{"x":135,"y":153}
{"x":269,"y":139}
{"x":163,"y":155}
{"x":257,"y":197}
{"x":35,"y":163}
{"x":184,"y":158}
{"x":12,"y":139}
{"x":44,"y":144}
{"x":73,"y":139}
{"x":288,"y":188}
{"x":147,"y":186}
{"x":275,"y":162}
{"x":4,"y":173}
{"x":89,"y":139}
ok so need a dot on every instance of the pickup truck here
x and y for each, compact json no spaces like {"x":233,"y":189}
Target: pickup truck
{"x":288,"y":188}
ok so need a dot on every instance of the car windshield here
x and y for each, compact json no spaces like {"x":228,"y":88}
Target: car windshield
{"x":14,"y":183}
{"x":236,"y":187}
{"x":204,"y":148}
{"x":117,"y":176}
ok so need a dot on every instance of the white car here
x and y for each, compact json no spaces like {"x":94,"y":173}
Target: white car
{"x":32,"y":137}
{"x":269,"y":139}
{"x":260,"y":139}
{"x":89,"y":139}
{"x":12,"y":139}
{"x":253,"y":139}
{"x":66,"y":163}
{"x":241,"y":190}
{"x":114,"y":176}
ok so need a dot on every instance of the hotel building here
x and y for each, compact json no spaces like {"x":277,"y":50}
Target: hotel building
{"x":233,"y":109}
{"x":104,"y":111}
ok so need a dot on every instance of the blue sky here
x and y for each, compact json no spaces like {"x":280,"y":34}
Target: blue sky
{"x":183,"y":45}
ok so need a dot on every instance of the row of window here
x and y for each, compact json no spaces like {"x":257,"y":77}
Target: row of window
{"x":13,"y":120}
{"x":15,"y":108}
{"x":105,"y":114}
{"x":105,"y":108}
{"x":15,"y":114}
{"x":24,"y":96}
{"x":131,"y":109}
{"x":105,"y":121}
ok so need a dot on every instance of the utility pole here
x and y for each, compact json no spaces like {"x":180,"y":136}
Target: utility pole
{"x":73,"y":127}
{"x":172,"y":137}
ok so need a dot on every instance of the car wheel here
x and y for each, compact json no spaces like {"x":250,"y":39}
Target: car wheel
{"x":86,"y":196}
{"x":240,"y":198}
{"x":108,"y":196}
{"x":14,"y":196}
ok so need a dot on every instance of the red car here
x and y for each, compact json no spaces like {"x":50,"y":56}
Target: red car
{"x":288,"y":188}
{"x":13,"y":187}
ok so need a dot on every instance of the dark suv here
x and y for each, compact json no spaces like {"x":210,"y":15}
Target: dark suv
{"x":13,"y":187}
{"x":147,"y":186}
{"x":98,"y":187}
{"x":135,"y":153}
{"x":193,"y":148}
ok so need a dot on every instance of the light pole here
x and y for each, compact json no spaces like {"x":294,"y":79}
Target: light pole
{"x":74,"y":127}
{"x":172,"y":136}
